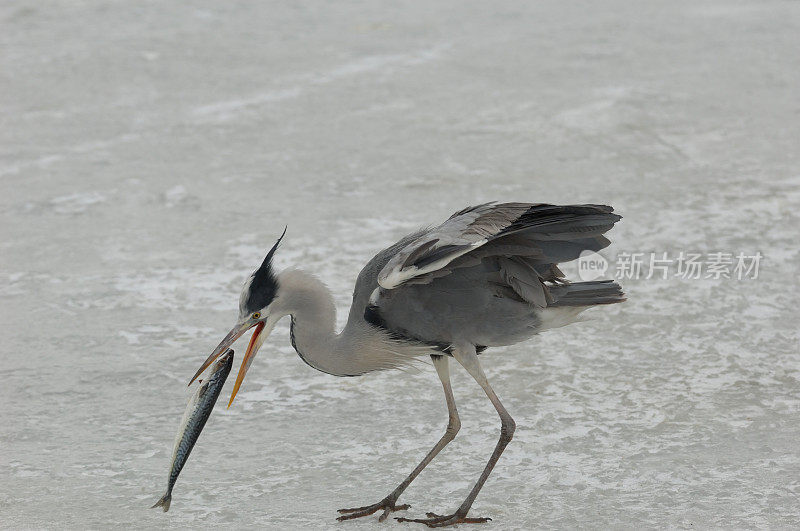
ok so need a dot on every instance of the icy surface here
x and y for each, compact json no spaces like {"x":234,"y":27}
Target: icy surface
{"x":151,"y":152}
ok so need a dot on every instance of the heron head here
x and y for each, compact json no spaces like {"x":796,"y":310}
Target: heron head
{"x":257,"y":310}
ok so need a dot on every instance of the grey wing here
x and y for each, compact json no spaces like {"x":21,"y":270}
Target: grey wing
{"x":416,"y":258}
{"x":483,"y":274}
{"x":535,"y":238}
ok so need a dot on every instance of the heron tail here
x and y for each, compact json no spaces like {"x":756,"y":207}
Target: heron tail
{"x":164,"y":501}
{"x":586,"y":293}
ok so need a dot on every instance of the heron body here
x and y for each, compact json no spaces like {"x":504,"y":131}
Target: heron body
{"x":488,"y":276}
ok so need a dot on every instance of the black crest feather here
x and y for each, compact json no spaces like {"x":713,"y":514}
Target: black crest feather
{"x":264,"y":285}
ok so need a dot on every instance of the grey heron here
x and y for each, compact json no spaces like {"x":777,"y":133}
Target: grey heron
{"x":488,"y":276}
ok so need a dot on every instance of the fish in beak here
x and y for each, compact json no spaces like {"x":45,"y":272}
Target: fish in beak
{"x":261,"y":331}
{"x":235,"y":333}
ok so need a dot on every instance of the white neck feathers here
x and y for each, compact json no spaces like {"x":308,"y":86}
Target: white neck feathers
{"x":358,"y":349}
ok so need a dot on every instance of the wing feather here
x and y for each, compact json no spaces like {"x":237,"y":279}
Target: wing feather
{"x":543,"y":234}
{"x":525,"y":281}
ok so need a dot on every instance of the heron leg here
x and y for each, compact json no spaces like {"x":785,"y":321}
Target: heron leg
{"x":468,"y":358}
{"x":453,"y":425}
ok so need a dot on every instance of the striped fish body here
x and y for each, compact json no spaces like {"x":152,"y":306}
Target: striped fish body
{"x":194,"y":420}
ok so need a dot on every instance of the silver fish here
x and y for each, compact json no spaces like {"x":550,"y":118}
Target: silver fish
{"x":194,"y":419}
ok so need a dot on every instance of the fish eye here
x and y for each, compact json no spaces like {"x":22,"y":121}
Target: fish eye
{"x":256,"y":315}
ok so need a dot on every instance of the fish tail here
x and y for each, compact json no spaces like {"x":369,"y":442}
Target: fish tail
{"x":164,"y":502}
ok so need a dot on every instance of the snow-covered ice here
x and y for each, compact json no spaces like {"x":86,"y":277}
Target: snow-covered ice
{"x":151,"y":152}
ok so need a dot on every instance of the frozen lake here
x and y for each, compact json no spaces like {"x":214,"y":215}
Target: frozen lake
{"x":151,"y":152}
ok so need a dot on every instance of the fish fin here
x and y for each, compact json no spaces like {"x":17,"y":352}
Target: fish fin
{"x":164,"y":502}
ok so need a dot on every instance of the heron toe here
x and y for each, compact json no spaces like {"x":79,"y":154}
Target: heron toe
{"x":438,"y":520}
{"x":387,"y":505}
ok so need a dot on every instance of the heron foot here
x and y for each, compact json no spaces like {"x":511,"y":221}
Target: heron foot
{"x":387,"y":504}
{"x":438,"y":520}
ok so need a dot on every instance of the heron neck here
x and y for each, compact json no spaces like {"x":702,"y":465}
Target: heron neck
{"x":313,"y":327}
{"x":358,"y":349}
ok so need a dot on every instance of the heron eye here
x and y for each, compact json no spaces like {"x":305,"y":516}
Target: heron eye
{"x":257,"y":315}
